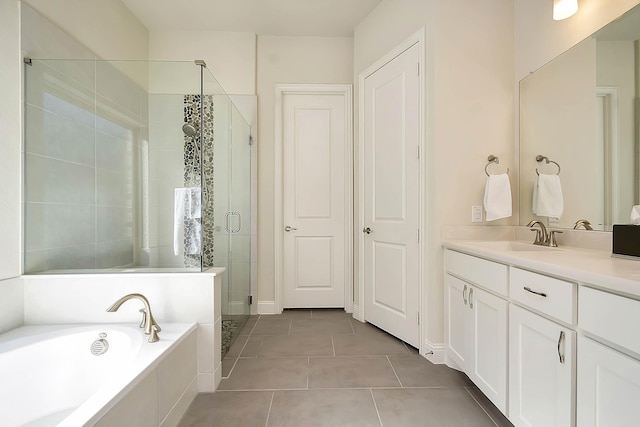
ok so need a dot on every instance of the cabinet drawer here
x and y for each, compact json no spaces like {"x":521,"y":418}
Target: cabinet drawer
{"x":545,"y":294}
{"x":487,"y":274}
{"x":610,"y":316}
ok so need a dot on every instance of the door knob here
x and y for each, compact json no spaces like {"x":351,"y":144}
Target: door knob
{"x":367,"y":230}
{"x":289,"y":228}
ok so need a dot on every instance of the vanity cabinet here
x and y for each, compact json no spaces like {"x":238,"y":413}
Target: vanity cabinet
{"x":541,"y":350}
{"x":541,"y":365}
{"x":608,"y":379}
{"x":571,"y":353}
{"x":477,"y":324}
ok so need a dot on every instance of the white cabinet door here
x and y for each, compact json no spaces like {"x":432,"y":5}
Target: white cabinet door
{"x":476,"y":337}
{"x":541,"y":362}
{"x":608,"y":386}
{"x":457,"y":312}
{"x":488,"y":359}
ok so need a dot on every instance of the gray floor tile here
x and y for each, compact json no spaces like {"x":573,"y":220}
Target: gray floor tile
{"x":489,"y":407}
{"x":296,"y":346}
{"x":419,"y":372}
{"x":321,"y":326}
{"x":365,"y":328}
{"x":252,"y":347}
{"x":227,"y":365}
{"x":227,"y":409}
{"x":351,"y":372}
{"x":330,"y":313}
{"x":295,"y":313}
{"x":368,"y":345}
{"x":442,"y":407}
{"x":268,"y":374}
{"x":237,"y":346}
{"x":248,"y":326}
{"x":322,"y":408}
{"x":268,"y":326}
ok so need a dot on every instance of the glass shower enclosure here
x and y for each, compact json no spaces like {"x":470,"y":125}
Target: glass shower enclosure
{"x":137,"y":166}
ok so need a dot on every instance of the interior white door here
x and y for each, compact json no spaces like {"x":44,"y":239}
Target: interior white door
{"x":314,"y":178}
{"x":392,"y":196}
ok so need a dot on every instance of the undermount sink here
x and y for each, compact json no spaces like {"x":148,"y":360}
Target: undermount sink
{"x":510,"y":246}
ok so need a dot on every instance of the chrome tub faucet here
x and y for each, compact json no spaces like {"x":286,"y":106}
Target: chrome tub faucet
{"x":149,"y":324}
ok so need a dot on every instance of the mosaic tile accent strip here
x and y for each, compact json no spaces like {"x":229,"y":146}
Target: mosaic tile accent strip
{"x":193,"y":174}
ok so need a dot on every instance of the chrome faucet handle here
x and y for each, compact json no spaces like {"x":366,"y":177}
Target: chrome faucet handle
{"x":154,"y":334}
{"x":552,"y":238}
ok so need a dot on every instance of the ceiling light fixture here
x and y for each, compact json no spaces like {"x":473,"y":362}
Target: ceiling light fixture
{"x":562,"y":9}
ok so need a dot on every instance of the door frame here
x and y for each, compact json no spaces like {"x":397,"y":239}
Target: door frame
{"x":418,"y":37}
{"x":346,"y":90}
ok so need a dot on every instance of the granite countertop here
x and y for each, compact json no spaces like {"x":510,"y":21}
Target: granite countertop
{"x":584,"y":266}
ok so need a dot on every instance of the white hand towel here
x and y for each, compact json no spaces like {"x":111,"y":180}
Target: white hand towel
{"x":497,"y":197}
{"x":179,"y":197}
{"x":193,"y":208}
{"x":547,"y":196}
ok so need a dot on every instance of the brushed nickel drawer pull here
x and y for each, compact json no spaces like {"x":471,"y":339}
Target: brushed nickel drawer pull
{"x":542,"y":294}
{"x":470,"y":296}
{"x":464,"y":295}
{"x":561,"y":343}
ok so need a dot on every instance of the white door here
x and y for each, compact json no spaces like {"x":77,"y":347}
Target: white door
{"x":392,"y":196}
{"x":314,"y":179}
{"x":540,"y":371}
{"x":608,"y":386}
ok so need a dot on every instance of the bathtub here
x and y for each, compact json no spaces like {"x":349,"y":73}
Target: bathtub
{"x":49,"y":376}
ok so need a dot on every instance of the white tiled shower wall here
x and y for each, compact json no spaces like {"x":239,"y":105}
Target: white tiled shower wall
{"x":85,"y":123}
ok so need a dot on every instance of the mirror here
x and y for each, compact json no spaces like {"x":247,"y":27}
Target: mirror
{"x":581,"y":111}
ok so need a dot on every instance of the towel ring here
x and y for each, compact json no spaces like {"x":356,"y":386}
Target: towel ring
{"x":492,"y":159}
{"x":540,"y":158}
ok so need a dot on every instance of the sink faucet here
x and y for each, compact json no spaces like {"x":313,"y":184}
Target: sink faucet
{"x":584,"y":223}
{"x":149,"y":324}
{"x":543,"y":237}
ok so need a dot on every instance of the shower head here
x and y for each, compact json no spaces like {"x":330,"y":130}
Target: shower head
{"x":189,"y":129}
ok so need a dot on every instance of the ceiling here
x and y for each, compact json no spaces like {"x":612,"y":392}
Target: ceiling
{"x":271,"y":17}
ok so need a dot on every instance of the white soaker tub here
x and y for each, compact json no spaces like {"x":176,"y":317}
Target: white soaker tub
{"x":49,"y":376}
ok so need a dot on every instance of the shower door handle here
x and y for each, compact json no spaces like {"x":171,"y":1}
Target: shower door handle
{"x":227,"y":226}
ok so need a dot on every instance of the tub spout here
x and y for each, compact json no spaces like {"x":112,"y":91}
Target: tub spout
{"x":150,"y":325}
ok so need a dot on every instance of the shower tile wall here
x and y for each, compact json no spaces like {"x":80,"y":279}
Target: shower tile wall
{"x":165,"y":147}
{"x":83,"y":125}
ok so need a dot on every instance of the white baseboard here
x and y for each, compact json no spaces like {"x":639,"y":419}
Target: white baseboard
{"x":435,"y":353}
{"x":357,"y":314}
{"x":205,"y":383}
{"x":266,"y":307}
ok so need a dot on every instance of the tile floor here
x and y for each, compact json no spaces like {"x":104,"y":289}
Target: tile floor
{"x":324,"y":368}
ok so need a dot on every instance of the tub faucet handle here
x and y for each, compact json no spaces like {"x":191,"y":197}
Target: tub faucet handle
{"x":154,"y":334}
{"x":144,"y":317}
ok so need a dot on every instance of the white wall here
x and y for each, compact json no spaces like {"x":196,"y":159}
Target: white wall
{"x":287,"y":60}
{"x":106,"y":27}
{"x":10,"y":165}
{"x":231,"y":57}
{"x":469,"y":54}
